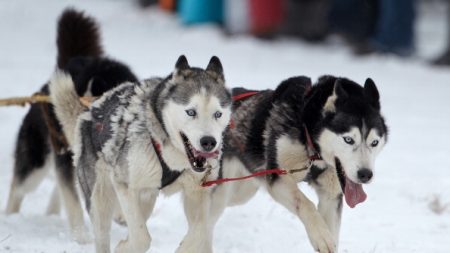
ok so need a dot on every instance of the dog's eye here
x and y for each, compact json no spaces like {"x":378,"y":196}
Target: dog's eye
{"x":191,"y":112}
{"x":349,"y":140}
{"x":217,"y":114}
{"x":374,"y":143}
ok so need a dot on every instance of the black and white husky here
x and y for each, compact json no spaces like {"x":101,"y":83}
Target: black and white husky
{"x":143,"y":137}
{"x":328,"y":135}
{"x":40,"y":141}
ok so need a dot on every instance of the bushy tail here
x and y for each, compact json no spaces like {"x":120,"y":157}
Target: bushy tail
{"x":78,"y":35}
{"x":66,"y":103}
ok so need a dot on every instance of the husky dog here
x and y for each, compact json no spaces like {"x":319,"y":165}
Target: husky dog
{"x":327,"y":135}
{"x":143,"y":137}
{"x":41,"y":141}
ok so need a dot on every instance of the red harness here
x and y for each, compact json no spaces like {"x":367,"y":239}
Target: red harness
{"x":313,"y":154}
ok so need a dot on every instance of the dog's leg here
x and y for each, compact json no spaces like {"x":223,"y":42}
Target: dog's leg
{"x":196,"y":208}
{"x":54,"y":206}
{"x":219,"y":198}
{"x":101,"y":211}
{"x":23,"y":184}
{"x":138,"y":236}
{"x":239,"y":192}
{"x":31,"y":157}
{"x":285,"y":191}
{"x":118,"y":216}
{"x":15,"y":198}
{"x":66,"y":182}
{"x":329,"y":191}
{"x":229,"y":194}
{"x":148,"y":199}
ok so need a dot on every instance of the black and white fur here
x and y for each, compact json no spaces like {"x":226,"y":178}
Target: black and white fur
{"x":116,"y":142}
{"x":79,"y":53}
{"x":347,"y":130}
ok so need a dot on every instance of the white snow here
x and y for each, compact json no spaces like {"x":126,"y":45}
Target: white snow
{"x":412,"y":171}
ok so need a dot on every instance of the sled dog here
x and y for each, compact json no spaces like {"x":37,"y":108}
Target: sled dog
{"x":140,"y":138}
{"x":327,"y":135}
{"x":40,"y":142}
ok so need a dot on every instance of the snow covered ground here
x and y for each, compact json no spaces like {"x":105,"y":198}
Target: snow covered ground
{"x":413,"y":172}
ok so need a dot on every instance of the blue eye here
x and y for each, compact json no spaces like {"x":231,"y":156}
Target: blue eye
{"x":217,"y":114}
{"x":191,"y":112}
{"x":349,"y":140}
{"x":374,"y":143}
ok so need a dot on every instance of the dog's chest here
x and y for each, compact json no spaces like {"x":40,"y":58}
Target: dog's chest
{"x":292,"y":156}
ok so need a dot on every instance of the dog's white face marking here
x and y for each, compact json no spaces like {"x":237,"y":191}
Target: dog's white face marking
{"x":355,"y":149}
{"x":202,"y":117}
{"x":88,"y":92}
{"x":330,"y":104}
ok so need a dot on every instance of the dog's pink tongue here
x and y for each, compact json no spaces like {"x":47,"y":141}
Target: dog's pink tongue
{"x":354,"y":193}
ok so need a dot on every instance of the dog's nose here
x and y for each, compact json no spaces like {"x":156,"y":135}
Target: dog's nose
{"x":364,"y":175}
{"x":208,"y":143}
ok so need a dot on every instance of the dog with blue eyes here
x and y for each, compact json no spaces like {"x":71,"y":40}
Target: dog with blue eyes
{"x":145,"y":137}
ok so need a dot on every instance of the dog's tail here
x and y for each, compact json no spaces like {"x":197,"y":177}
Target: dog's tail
{"x":66,"y":103}
{"x":77,"y":35}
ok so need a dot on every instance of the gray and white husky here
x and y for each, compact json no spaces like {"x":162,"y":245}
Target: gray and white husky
{"x":327,"y":134}
{"x":140,"y":138}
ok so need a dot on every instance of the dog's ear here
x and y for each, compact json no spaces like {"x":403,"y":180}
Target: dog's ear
{"x":215,"y":68}
{"x":339,"y":90}
{"x":371,"y":93}
{"x":182,"y":68}
{"x":182,"y":63}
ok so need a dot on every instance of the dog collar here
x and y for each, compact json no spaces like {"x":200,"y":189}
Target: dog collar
{"x":168,"y":175}
{"x":313,"y":155}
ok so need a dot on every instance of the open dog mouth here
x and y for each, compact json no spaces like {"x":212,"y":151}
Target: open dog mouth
{"x":353,"y":192}
{"x":196,"y":158}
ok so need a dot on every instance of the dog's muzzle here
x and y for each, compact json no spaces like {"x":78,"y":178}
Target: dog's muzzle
{"x":196,"y":158}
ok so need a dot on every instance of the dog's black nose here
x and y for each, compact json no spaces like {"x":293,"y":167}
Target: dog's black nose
{"x":208,"y":143}
{"x":364,"y":175}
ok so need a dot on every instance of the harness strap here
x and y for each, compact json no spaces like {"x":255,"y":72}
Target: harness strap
{"x":157,"y":147}
{"x":241,"y":97}
{"x":313,"y":154}
{"x":255,"y":174}
{"x":244,"y":95}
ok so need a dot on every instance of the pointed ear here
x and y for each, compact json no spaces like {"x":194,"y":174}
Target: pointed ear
{"x":371,"y":93}
{"x":182,"y":63}
{"x":339,"y":90}
{"x":214,"y":68}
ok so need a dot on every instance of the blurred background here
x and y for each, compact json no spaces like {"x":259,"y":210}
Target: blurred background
{"x":368,"y":26}
{"x":403,"y":45}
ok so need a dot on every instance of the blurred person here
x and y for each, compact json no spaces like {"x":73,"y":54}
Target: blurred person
{"x":307,"y":19}
{"x":266,"y":17}
{"x":444,"y":59}
{"x":395,"y":27}
{"x":355,"y":20}
{"x":375,"y":25}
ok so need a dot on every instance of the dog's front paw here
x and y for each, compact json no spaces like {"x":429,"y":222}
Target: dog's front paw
{"x":139,"y":246}
{"x":322,"y":240}
{"x":81,"y":235}
{"x":123,"y":247}
{"x":187,"y":246}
